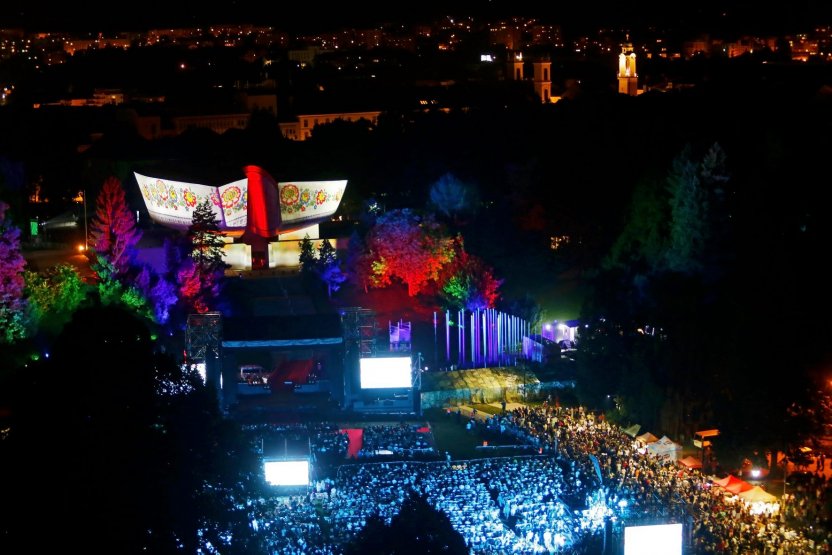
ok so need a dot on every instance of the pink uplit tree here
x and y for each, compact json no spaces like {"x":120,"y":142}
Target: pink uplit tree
{"x":113,"y":228}
{"x":12,"y":303}
{"x":407,"y":247}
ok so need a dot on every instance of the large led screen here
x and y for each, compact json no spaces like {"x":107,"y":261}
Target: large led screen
{"x":385,"y":372}
{"x":659,"y":539}
{"x":287,"y":473}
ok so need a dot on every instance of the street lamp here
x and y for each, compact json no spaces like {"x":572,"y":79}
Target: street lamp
{"x":86,"y":243}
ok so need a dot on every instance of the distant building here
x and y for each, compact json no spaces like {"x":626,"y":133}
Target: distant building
{"x":77,"y":45}
{"x":803,"y":48}
{"x":100,"y":97}
{"x":301,"y":129}
{"x":692,"y":48}
{"x":541,"y":75}
{"x":740,"y":48}
{"x":218,"y":123}
{"x":504,"y":34}
{"x":543,"y":79}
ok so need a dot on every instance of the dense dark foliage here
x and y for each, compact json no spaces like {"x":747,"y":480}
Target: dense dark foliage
{"x":417,"y":528}
{"x":113,"y":448}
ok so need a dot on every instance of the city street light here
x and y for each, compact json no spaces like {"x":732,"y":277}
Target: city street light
{"x":785,"y":476}
{"x":86,"y":241}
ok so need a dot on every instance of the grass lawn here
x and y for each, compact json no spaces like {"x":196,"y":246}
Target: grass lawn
{"x":452,"y":437}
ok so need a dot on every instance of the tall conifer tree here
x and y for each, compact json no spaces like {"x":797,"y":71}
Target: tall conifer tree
{"x":329,"y":267}
{"x":202,"y":282}
{"x":113,"y":228}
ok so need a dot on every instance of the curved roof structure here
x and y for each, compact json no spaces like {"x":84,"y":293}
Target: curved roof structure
{"x":256,"y":204}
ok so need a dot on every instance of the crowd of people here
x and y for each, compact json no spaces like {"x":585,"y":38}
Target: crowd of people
{"x":808,"y":504}
{"x":587,"y":478}
{"x":651,"y":486}
{"x":400,"y":440}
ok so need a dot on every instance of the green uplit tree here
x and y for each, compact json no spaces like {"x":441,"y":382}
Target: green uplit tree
{"x":54,"y":295}
{"x":689,"y":229}
{"x":659,"y":292}
{"x":113,"y":292}
{"x":468,"y":282}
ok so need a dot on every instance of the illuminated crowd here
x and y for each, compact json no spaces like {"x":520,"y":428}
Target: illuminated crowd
{"x":401,"y":440}
{"x":521,"y":504}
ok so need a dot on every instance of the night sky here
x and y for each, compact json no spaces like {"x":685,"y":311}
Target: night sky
{"x":100,"y":15}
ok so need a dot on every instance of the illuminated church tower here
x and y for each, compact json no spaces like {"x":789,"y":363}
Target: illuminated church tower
{"x":627,"y":76}
{"x":514,"y":69}
{"x":543,"y":79}
{"x":541,"y":76}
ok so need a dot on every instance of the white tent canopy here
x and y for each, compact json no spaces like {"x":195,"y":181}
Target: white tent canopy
{"x":665,"y":448}
{"x":646,"y":438}
{"x":756,"y":495}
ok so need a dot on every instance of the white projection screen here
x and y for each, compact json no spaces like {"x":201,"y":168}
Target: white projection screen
{"x":659,"y":539}
{"x":287,"y":473}
{"x":385,"y":372}
{"x":172,"y":203}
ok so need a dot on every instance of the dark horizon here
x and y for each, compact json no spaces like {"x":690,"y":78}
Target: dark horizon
{"x":729,"y":15}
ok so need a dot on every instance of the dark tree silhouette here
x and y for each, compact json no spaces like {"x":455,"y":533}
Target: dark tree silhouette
{"x":453,"y":198}
{"x":125,"y":451}
{"x":418,"y":528}
{"x":307,"y":258}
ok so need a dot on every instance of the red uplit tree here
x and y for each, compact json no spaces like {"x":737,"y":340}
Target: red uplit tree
{"x":197,"y":292}
{"x":12,"y":303}
{"x":113,"y":227}
{"x":405,"y":246}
